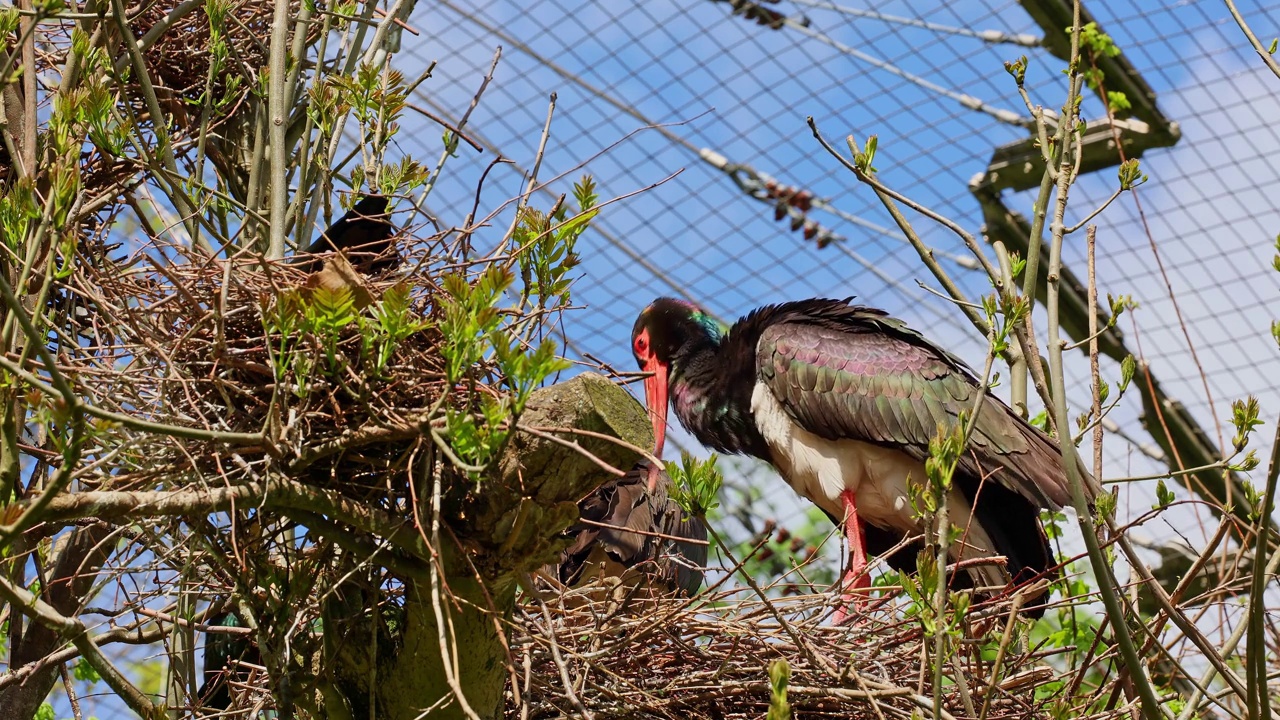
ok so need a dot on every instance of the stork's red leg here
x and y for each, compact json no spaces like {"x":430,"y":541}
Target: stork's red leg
{"x":856,"y":580}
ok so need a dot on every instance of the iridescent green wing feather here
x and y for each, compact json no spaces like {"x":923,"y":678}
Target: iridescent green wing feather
{"x":842,"y":371}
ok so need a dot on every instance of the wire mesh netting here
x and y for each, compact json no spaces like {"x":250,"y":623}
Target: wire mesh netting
{"x":702,"y":108}
{"x":695,"y":116}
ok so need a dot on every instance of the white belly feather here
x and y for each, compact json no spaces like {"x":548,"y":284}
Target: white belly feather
{"x":821,"y":470}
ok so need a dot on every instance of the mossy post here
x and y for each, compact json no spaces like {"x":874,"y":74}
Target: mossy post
{"x":510,"y":524}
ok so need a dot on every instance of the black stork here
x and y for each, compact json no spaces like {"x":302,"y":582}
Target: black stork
{"x":635,"y":531}
{"x":363,"y":232}
{"x":842,"y":400}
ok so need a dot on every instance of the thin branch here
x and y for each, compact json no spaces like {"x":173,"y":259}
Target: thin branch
{"x":74,"y":630}
{"x":1267,"y":58}
{"x":925,"y":252}
{"x":1259,"y":700}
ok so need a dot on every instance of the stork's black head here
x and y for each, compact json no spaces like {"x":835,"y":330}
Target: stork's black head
{"x":665,"y":332}
{"x":668,"y":329}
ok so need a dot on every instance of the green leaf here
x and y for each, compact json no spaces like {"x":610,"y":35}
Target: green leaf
{"x":865,"y":159}
{"x":84,"y":672}
{"x":1130,"y":173}
{"x":331,"y":309}
{"x":696,"y":484}
{"x":1018,"y":69}
{"x":1244,"y":416}
{"x":1127,"y":368}
{"x":779,"y":677}
{"x":584,"y":193}
{"x":1248,"y":462}
{"x":8,"y":20}
{"x":1164,"y":496}
{"x":1105,"y":504}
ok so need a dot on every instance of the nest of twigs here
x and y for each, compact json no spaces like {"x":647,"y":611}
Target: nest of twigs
{"x":179,"y":59}
{"x":598,"y":653}
{"x":217,"y":347}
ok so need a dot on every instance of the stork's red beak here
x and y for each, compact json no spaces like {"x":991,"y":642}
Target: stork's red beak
{"x":655,"y":398}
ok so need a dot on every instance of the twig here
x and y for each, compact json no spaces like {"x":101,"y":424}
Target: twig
{"x":560,"y":665}
{"x":646,"y":533}
{"x":75,"y":632}
{"x":925,"y":252}
{"x":1253,"y":39}
{"x":70,"y":689}
{"x":576,"y":447}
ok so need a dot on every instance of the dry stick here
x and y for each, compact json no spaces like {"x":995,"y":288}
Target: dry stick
{"x":993,"y":683}
{"x":462,"y":124}
{"x":1091,"y":236}
{"x":177,"y":431}
{"x":445,"y":124}
{"x":962,"y":684}
{"x":537,"y":165}
{"x":815,"y":659}
{"x":690,"y":602}
{"x":70,"y":689}
{"x":575,"y":447}
{"x":560,"y":664}
{"x":646,"y":533}
{"x":1212,"y":654}
{"x":647,"y":455}
{"x":528,"y":679}
{"x":818,"y":661}
{"x":1174,"y":598}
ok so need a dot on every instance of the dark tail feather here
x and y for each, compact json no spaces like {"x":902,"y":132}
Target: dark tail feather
{"x":1013,"y":524}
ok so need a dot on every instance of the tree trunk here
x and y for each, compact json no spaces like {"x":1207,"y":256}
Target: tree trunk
{"x":392,"y":666}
